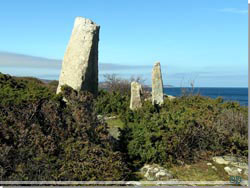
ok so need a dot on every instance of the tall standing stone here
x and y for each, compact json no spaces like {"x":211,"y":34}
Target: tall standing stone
{"x":80,"y":62}
{"x":157,"y":85}
{"x":135,"y":99}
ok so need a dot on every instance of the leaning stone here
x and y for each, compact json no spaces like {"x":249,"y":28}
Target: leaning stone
{"x":157,"y":85}
{"x":80,"y":62}
{"x":135,"y":99}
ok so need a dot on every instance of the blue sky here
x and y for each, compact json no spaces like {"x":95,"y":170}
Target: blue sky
{"x":201,"y":40}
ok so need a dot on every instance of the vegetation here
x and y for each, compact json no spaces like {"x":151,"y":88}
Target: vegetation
{"x":182,"y":130}
{"x":42,"y":138}
{"x":111,"y":103}
{"x":185,"y":130}
{"x":113,"y":83}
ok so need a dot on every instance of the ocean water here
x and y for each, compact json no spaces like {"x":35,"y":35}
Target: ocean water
{"x":228,"y":94}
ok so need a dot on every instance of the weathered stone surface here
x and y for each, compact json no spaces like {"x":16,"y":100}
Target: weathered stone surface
{"x":135,"y":99}
{"x":80,"y":62}
{"x":233,"y":171}
{"x":220,"y":160}
{"x":157,"y":85}
{"x":155,"y":172}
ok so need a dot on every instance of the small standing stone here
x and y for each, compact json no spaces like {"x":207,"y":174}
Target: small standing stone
{"x":135,"y":99}
{"x":157,"y":85}
{"x":80,"y":62}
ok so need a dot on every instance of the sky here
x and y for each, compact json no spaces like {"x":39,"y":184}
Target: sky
{"x":204,"y":41}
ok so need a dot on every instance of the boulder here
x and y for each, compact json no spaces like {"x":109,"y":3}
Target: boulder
{"x":157,"y":85}
{"x":80,"y":62}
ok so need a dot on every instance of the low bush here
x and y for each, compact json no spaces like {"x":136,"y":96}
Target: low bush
{"x":185,"y":129}
{"x":113,"y":103}
{"x":42,"y":138}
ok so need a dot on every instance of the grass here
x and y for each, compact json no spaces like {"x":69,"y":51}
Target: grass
{"x":114,"y":125}
{"x":200,"y":172}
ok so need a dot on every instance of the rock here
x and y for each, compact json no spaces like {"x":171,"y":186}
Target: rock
{"x":135,"y":99}
{"x":157,"y":85}
{"x":233,"y":171}
{"x":100,"y":117}
{"x":209,"y":164}
{"x":155,"y":172}
{"x":170,"y":97}
{"x":80,"y":62}
{"x":213,"y":167}
{"x":235,"y":165}
{"x":220,"y":160}
{"x":114,"y":132}
{"x":110,"y":117}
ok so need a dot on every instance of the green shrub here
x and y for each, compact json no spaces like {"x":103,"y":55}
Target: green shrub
{"x":42,"y":138}
{"x":111,"y":103}
{"x":184,"y":129}
{"x":20,"y":91}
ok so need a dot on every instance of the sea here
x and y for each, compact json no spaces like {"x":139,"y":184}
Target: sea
{"x":228,"y":94}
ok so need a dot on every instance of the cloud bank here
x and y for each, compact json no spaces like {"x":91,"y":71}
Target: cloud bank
{"x":25,"y":65}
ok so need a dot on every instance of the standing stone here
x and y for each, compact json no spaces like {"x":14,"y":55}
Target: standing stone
{"x":135,"y":99}
{"x":157,"y":85}
{"x":80,"y":62}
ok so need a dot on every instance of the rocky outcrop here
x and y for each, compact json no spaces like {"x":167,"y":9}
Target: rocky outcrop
{"x":157,"y":85}
{"x":135,"y":99}
{"x":80,"y":62}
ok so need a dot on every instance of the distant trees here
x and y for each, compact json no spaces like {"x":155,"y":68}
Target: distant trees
{"x":113,"y":83}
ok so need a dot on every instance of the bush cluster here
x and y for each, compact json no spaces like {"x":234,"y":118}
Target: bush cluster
{"x":184,"y":130}
{"x":43,"y":138}
{"x":111,"y":103}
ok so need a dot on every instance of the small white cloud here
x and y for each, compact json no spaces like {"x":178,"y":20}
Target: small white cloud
{"x":234,"y":10}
